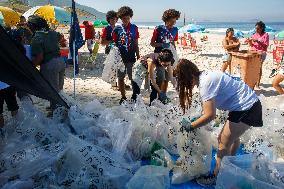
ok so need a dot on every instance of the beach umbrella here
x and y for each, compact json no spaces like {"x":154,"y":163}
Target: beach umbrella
{"x":52,"y":14}
{"x":8,"y":16}
{"x":238,"y":34}
{"x":100,"y":23}
{"x":280,"y":34}
{"x":191,"y":28}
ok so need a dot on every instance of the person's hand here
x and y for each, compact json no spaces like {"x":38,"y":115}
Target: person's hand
{"x":163,"y":96}
{"x":186,"y":125}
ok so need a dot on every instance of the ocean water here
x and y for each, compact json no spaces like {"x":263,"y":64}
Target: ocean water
{"x":220,"y":27}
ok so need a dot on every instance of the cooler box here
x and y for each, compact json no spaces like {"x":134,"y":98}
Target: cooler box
{"x":248,"y":64}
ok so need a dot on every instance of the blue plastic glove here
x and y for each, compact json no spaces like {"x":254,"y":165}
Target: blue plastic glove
{"x":186,"y":125}
{"x":163,"y":96}
{"x":166,"y":45}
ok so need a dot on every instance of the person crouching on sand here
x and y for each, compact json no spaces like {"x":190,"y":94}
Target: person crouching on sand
{"x":219,"y":91}
{"x":159,"y":63}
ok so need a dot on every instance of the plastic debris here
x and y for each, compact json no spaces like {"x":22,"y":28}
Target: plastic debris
{"x":150,"y":177}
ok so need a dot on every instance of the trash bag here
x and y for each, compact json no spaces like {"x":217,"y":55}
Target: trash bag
{"x":32,"y":143}
{"x":271,"y":134}
{"x":94,"y":167}
{"x":19,"y":184}
{"x":252,"y":171}
{"x":150,"y":177}
{"x":113,"y":63}
{"x":162,"y":158}
{"x":139,"y":73}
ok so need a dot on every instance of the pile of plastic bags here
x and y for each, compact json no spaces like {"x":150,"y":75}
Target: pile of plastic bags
{"x":98,"y":147}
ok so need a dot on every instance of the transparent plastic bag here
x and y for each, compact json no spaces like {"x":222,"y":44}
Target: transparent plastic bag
{"x":248,"y":171}
{"x":113,"y":63}
{"x":94,"y":167}
{"x":19,"y":184}
{"x":150,"y":177}
{"x":162,"y":158}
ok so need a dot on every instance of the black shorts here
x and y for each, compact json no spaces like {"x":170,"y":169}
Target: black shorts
{"x":9,"y":96}
{"x":251,"y":117}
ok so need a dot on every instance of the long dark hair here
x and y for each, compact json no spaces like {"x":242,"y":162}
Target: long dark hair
{"x":261,"y":25}
{"x":229,"y":30}
{"x":186,"y":73}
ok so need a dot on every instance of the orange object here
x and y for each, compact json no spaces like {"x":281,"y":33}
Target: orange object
{"x":183,"y":42}
{"x":193,"y":43}
{"x":277,"y":54}
{"x":249,"y":63}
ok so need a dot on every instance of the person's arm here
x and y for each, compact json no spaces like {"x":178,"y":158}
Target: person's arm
{"x":209,"y":114}
{"x":264,"y":43}
{"x":227,"y":46}
{"x":137,"y":44}
{"x":170,"y":74}
{"x":153,"y":40}
{"x":103,"y":40}
{"x":137,"y":49}
{"x":151,"y":68}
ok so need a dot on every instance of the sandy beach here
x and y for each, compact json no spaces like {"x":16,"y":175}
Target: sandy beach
{"x":208,"y":57}
{"x":89,"y":84}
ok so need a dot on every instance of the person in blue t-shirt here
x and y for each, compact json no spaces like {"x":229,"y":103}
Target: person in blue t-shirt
{"x":219,"y":91}
{"x":166,"y":34}
{"x":125,"y":37}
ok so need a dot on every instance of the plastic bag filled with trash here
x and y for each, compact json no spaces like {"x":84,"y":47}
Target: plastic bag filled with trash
{"x":252,"y":171}
{"x":113,"y":63}
{"x":150,"y":177}
{"x":272,"y":132}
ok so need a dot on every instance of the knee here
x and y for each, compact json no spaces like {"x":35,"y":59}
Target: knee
{"x":275,"y":84}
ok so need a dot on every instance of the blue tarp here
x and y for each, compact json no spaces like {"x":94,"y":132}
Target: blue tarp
{"x":191,"y":28}
{"x":193,"y":184}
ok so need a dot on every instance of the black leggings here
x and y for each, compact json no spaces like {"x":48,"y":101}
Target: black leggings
{"x":154,"y":93}
{"x":135,"y":89}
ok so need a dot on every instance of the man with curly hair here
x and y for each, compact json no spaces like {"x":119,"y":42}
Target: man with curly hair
{"x":163,"y":37}
{"x":125,"y":37}
{"x":166,"y":34}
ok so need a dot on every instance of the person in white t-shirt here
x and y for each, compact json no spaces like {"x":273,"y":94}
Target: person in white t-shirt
{"x":219,"y":91}
{"x":7,"y":94}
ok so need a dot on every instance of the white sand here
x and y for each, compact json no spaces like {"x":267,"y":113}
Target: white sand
{"x":89,"y":84}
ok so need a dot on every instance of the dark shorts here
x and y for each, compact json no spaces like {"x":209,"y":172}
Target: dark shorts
{"x":162,"y":75}
{"x":9,"y":96}
{"x":251,"y":117}
{"x":128,"y":71}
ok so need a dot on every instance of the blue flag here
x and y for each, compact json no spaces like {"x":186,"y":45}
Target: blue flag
{"x":76,"y":37}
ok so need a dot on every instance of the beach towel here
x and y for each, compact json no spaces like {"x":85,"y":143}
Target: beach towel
{"x":112,"y":63}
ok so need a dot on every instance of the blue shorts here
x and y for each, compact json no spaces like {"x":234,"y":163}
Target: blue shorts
{"x":227,"y":57}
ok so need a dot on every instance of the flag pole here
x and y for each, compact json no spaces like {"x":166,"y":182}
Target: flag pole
{"x":74,"y":70}
{"x":74,"y":49}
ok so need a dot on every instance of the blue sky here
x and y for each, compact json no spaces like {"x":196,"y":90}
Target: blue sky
{"x":199,"y":10}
